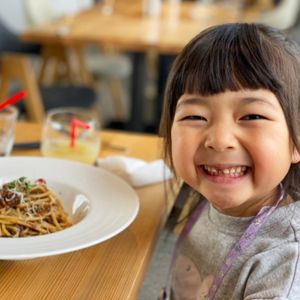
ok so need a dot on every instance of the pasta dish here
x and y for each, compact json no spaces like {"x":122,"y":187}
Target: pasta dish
{"x":29,"y":209}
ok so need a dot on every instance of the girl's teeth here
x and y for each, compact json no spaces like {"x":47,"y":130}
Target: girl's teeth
{"x":234,"y":171}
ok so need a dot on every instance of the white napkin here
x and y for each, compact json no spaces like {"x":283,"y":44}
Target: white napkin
{"x":135,"y":171}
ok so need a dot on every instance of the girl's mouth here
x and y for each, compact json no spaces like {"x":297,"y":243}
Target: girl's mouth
{"x":229,"y":172}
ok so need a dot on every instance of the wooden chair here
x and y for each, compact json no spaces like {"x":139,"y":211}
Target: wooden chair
{"x":18,"y":67}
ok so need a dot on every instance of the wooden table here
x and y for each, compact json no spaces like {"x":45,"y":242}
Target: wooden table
{"x":113,"y":269}
{"x":128,"y":29}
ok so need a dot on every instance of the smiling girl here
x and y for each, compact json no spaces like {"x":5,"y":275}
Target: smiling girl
{"x":231,"y":126}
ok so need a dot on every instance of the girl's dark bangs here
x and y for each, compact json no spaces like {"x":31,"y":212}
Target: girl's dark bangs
{"x":229,"y":63}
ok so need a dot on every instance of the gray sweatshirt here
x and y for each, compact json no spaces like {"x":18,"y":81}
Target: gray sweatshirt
{"x":268,"y":269}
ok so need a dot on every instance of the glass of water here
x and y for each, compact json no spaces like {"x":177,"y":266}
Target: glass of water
{"x":8,"y":119}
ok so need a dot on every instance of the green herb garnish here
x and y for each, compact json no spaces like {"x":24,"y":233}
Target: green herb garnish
{"x":22,"y":184}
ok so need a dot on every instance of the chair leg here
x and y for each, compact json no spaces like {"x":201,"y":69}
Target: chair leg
{"x":67,"y":63}
{"x":79,"y":59}
{"x":55,"y":65}
{"x":116,"y":95}
{"x":4,"y":86}
{"x":18,"y":67}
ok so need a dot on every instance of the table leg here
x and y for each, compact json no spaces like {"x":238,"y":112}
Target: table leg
{"x":164,"y":64}
{"x":138,"y":85}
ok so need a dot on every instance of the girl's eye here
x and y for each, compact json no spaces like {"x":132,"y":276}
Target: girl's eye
{"x":193,"y":118}
{"x":253,"y":117}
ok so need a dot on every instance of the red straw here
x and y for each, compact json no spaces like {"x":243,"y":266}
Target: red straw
{"x":17,"y":97}
{"x":76,"y":123}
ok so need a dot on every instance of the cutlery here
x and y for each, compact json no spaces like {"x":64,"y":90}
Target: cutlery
{"x":37,"y":144}
{"x":27,"y":145}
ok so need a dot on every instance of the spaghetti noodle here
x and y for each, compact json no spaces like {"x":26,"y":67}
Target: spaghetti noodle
{"x":30,"y":209}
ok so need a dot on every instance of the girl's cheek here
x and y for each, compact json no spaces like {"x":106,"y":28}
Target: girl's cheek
{"x":181,"y":159}
{"x":183,"y":151}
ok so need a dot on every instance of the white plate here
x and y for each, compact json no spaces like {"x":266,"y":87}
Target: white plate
{"x":101,"y":204}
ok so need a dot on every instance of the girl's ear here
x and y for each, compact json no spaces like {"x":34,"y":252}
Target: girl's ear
{"x":295,"y":155}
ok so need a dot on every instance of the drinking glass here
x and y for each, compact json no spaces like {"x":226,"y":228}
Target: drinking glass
{"x":8,"y":119}
{"x":61,"y":138}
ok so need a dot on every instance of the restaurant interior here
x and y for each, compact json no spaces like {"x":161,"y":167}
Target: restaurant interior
{"x":112,"y":57}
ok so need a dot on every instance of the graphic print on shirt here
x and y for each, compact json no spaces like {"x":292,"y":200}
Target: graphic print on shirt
{"x":187,"y":283}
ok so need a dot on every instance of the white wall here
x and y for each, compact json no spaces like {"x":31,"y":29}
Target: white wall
{"x":13,"y":12}
{"x":70,"y":6}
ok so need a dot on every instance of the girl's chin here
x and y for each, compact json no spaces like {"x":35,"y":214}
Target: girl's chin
{"x":227,"y":210}
{"x":237,"y":210}
{"x":224,"y":207}
{"x":231,"y":207}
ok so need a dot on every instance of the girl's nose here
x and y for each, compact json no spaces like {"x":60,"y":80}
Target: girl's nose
{"x":220,"y":137}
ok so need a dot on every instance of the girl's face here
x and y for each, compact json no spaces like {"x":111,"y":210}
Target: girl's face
{"x":234,"y":148}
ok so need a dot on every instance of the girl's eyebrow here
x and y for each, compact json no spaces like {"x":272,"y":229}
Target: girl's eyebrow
{"x":204,"y":101}
{"x":249,"y":100}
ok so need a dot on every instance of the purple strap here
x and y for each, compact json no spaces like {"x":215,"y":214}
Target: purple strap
{"x":245,"y":240}
{"x":191,"y":221}
{"x":164,"y":294}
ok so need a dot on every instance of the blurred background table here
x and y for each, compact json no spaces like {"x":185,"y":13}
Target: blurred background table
{"x":128,"y":29}
{"x":113,"y":269}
